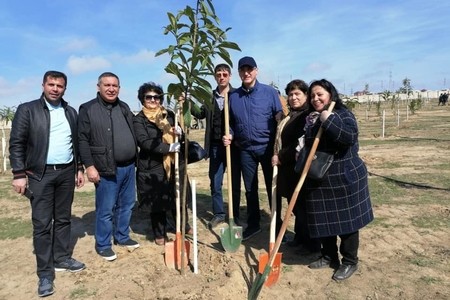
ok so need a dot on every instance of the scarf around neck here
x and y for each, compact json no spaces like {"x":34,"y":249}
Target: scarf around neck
{"x":158,"y":116}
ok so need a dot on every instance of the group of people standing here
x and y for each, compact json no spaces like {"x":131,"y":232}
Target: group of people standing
{"x":51,"y":147}
{"x":337,"y":205}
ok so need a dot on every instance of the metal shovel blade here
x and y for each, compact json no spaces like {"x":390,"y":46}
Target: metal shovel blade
{"x":187,"y":250}
{"x":274,"y":271}
{"x":172,"y":253}
{"x":169,"y":254}
{"x":231,"y":237}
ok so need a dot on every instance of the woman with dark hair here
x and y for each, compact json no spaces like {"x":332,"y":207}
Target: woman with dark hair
{"x":155,"y":133}
{"x":288,"y":132}
{"x":339,"y":204}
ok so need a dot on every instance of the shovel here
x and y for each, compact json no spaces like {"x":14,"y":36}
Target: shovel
{"x":264,"y":258}
{"x":173,"y":249}
{"x":231,"y":236}
{"x":261,"y":278}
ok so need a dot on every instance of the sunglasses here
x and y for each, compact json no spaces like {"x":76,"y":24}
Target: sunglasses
{"x":223,"y":75}
{"x":152,"y":97}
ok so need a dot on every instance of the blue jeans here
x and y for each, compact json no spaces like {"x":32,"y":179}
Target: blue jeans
{"x":217,"y":166}
{"x":249,"y":162}
{"x":115,"y":197}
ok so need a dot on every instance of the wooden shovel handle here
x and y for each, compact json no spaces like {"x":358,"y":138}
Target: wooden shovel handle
{"x":177,"y":181}
{"x":228,"y":158}
{"x":273,"y":221}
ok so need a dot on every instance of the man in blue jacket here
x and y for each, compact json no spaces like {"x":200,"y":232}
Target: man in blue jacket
{"x":255,"y":109}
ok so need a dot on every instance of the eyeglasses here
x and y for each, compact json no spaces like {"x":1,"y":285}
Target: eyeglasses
{"x":152,"y":97}
{"x":223,"y":75}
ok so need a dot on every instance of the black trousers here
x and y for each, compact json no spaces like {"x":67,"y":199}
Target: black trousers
{"x":300,"y":225}
{"x":51,"y":211}
{"x":159,"y":222}
{"x":348,"y":247}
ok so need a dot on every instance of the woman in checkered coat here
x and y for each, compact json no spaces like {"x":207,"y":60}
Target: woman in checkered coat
{"x":339,"y":204}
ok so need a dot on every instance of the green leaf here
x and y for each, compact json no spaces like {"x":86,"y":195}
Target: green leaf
{"x":160,"y":52}
{"x":230,"y":45}
{"x":198,"y":41}
{"x":172,"y":20}
{"x":203,"y":95}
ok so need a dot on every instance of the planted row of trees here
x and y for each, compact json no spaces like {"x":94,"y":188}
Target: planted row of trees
{"x":391,"y":97}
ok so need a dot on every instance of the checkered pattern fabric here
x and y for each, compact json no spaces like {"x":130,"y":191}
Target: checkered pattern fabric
{"x":340,"y":203}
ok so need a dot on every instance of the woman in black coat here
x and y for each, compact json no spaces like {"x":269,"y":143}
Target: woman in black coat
{"x":339,"y":204}
{"x":289,"y":130}
{"x":155,"y":176}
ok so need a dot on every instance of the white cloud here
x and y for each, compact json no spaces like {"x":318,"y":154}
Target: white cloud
{"x":12,"y":93}
{"x":77,"y":65}
{"x":144,"y":56}
{"x":317,"y":67}
{"x":77,"y":44}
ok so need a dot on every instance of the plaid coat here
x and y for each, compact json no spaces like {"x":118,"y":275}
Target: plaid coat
{"x":340,"y":203}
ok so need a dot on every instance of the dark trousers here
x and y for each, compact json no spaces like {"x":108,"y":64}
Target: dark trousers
{"x":159,"y":222}
{"x":348,"y":247}
{"x":217,"y":167}
{"x":300,"y":224}
{"x":249,"y":164}
{"x":51,"y":210}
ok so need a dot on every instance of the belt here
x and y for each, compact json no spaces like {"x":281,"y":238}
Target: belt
{"x":125,"y":164}
{"x":59,"y":166}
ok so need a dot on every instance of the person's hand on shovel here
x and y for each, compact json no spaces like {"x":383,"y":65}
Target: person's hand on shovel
{"x":324,"y":115}
{"x":226,"y":139}
{"x":181,"y":99}
{"x":275,"y":160}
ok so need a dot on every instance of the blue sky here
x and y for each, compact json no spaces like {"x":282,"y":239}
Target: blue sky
{"x":351,"y":43}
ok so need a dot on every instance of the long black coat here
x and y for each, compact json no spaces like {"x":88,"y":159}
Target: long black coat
{"x":293,"y":129}
{"x":153,"y":187}
{"x":340,"y":203}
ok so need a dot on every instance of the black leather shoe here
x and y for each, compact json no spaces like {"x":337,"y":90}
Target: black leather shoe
{"x":344,"y":272}
{"x":324,"y":262}
{"x":216,"y":220}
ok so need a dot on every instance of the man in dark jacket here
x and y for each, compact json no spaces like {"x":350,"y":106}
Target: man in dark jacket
{"x":108,"y":151}
{"x":45,"y":163}
{"x":216,"y":151}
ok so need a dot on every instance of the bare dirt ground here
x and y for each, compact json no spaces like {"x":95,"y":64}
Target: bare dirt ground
{"x":399,"y":259}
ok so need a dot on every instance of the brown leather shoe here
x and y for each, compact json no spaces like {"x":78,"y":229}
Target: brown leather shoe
{"x":160,"y":241}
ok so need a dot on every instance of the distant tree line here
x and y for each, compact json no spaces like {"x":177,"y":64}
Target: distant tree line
{"x":7,"y":114}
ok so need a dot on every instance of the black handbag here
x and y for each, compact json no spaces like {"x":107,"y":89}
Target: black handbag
{"x":319,"y":166}
{"x":195,"y":152}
